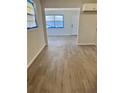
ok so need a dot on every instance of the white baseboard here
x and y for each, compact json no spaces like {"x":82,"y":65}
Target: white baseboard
{"x":36,"y":56}
{"x":60,"y":35}
{"x":86,"y":43}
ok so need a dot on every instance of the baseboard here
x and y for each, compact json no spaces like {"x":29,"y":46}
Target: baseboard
{"x":60,"y":35}
{"x":36,"y":56}
{"x":86,"y":43}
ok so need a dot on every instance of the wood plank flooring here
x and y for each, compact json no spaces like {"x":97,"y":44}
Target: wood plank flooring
{"x":64,"y":67}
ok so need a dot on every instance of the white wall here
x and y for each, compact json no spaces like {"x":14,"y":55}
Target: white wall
{"x":35,"y":37}
{"x":67,"y":30}
{"x":87,"y":26}
{"x":87,"y":30}
{"x":66,"y":3}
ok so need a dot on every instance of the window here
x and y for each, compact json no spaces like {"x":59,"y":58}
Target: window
{"x":54,"y":21}
{"x":31,"y":17}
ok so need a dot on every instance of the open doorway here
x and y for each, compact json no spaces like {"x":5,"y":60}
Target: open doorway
{"x":62,"y":25}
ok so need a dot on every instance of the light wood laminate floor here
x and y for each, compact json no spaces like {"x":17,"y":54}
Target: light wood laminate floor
{"x":64,"y":67}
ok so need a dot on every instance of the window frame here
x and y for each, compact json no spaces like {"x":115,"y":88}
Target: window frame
{"x":55,"y":21}
{"x":31,"y":2}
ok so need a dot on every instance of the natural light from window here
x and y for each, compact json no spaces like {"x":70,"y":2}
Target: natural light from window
{"x":54,"y":21}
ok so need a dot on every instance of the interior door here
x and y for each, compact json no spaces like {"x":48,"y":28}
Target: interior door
{"x":75,"y":24}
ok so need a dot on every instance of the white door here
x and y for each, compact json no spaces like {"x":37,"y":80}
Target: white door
{"x":75,"y":23}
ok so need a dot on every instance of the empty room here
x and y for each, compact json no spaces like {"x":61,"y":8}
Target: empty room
{"x":61,"y":46}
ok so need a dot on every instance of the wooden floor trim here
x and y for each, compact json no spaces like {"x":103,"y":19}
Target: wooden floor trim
{"x":36,"y":55}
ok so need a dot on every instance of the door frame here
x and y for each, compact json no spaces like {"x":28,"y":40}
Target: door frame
{"x":44,"y":25}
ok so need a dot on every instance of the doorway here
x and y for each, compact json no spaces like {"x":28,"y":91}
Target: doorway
{"x":62,"y":23}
